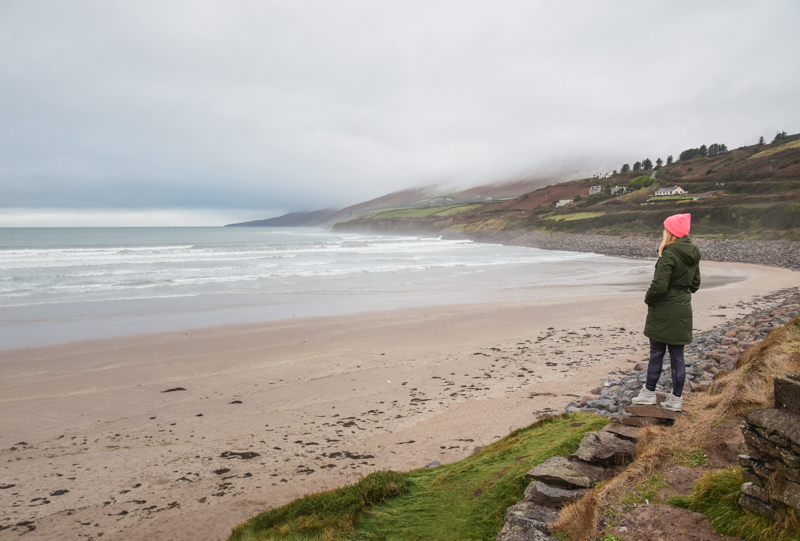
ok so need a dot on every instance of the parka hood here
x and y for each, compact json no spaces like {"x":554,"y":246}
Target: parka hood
{"x":686,"y":250}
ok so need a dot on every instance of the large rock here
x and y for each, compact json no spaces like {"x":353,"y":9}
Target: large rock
{"x":604,"y":448}
{"x":560,"y":472}
{"x":549,"y":496}
{"x":787,"y":392}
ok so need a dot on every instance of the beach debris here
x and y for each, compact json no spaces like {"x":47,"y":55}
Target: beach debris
{"x":174,"y":389}
{"x":434,"y":464}
{"x":59,"y":492}
{"x":245,"y":455}
{"x":235,"y":402}
{"x":221,"y":471}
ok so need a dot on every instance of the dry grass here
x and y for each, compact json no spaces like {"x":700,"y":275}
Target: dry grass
{"x":748,"y":387}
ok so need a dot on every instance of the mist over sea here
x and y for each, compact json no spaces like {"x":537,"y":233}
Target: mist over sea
{"x":63,"y":284}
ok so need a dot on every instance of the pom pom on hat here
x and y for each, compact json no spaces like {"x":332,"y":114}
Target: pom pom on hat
{"x":678,"y":224}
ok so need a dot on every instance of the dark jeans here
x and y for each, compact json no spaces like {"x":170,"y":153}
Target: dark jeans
{"x":657,"y":351}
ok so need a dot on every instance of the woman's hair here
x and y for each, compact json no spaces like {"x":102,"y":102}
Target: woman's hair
{"x":666,"y":239}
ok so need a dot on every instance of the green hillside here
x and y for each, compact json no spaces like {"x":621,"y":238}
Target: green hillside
{"x":749,"y":192}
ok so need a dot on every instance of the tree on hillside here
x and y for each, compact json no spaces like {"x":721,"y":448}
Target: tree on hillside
{"x":659,"y":162}
{"x":778,"y":136}
{"x":703,"y":151}
{"x":761,"y":140}
{"x":669,"y":159}
{"x":625,"y":168}
{"x":688,"y":154}
{"x":615,"y":172}
{"x":642,"y":182}
{"x":647,"y":164}
{"x":637,"y":166}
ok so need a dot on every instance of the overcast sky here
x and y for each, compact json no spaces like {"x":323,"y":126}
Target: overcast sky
{"x":201,"y":113}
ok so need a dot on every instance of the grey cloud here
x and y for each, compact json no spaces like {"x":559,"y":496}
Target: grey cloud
{"x":291,"y":105}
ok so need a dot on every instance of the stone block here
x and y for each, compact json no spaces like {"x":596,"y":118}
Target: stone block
{"x":756,"y":491}
{"x":604,"y":448}
{"x":744,"y":461}
{"x":761,"y":469}
{"x":784,"y":491}
{"x":628,"y":432}
{"x":652,"y":411}
{"x":758,"y":507}
{"x":780,"y":421}
{"x":642,"y":422}
{"x":772,"y":436}
{"x":755,"y":454}
{"x":594,"y":472}
{"x":548,"y":496}
{"x":787,"y":393}
{"x":790,"y":474}
{"x":765,"y":446}
{"x":750,"y":477}
{"x":532,"y":515}
{"x":560,"y":472}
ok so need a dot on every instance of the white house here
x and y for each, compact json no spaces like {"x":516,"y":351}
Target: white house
{"x":595,"y":189}
{"x":674,"y":190}
{"x":563,"y":202}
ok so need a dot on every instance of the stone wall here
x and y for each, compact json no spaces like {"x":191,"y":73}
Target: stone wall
{"x":771,"y":458}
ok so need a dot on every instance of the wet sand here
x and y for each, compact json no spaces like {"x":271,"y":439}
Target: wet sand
{"x":93,"y":447}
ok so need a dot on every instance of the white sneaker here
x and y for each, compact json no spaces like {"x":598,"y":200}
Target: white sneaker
{"x":674,"y":403}
{"x":644,"y":396}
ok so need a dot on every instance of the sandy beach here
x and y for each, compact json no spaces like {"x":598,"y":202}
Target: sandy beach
{"x":183,"y":435}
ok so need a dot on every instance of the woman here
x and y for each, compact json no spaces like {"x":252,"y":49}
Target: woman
{"x":669,"y":309}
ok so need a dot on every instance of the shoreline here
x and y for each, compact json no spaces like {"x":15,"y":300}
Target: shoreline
{"x":275,"y":410}
{"x":771,"y":253}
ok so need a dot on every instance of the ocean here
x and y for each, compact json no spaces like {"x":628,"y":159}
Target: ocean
{"x":63,"y":284}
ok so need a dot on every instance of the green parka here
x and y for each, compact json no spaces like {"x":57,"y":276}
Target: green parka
{"x":669,"y":298}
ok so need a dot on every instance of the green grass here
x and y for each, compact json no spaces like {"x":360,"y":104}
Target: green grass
{"x":466,"y":500}
{"x":695,"y":458}
{"x":775,"y":150}
{"x":644,"y":492}
{"x":576,"y":216}
{"x":420,"y":212}
{"x":456,"y":209}
{"x":657,"y":198}
{"x":716,"y":495}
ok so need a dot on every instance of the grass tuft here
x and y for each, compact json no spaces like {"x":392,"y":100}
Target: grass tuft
{"x":325,"y":515}
{"x":716,"y":495}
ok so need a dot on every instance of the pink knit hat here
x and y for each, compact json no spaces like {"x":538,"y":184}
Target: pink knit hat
{"x":679,"y":224}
